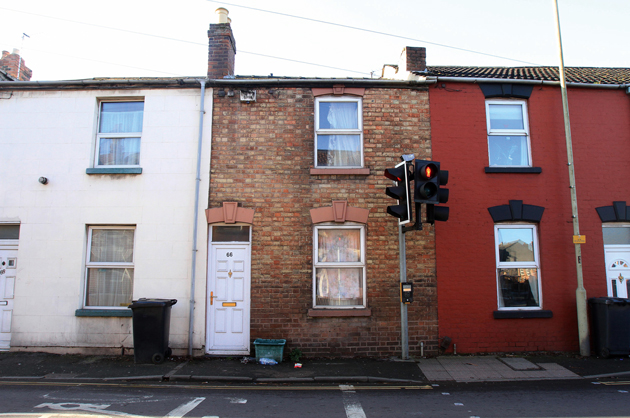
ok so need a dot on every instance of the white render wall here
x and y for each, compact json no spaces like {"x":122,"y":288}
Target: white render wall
{"x":52,"y":134}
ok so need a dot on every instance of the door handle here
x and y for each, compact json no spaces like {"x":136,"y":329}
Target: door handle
{"x":211,"y":298}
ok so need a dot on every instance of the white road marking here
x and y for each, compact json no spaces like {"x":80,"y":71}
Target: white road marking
{"x":237,"y":400}
{"x":350,"y":403}
{"x":183,"y":409}
{"x":87,"y":407}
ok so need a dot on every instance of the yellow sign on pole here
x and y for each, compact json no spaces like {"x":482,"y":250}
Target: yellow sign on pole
{"x":579,"y":239}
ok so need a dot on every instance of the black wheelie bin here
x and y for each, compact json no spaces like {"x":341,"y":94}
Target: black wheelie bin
{"x":610,"y":322}
{"x":151,"y":323}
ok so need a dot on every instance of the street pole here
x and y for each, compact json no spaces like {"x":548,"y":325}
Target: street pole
{"x":580,"y":292}
{"x":404,"y":334}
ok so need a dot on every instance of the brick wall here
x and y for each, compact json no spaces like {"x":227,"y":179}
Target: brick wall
{"x":415,"y":58}
{"x":465,"y":244}
{"x":262,"y":155}
{"x":221,"y":50}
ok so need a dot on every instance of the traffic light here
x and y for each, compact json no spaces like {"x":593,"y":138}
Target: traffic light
{"x":436,"y":213}
{"x":402,"y":192}
{"x":428,"y":189}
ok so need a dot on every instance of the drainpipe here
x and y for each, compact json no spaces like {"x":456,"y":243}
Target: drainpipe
{"x":580,"y":292}
{"x":195,"y":219}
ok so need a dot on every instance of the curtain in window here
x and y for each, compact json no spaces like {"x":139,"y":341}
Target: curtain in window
{"x":532,"y":277}
{"x":343,"y":150}
{"x":339,"y":285}
{"x":112,"y":245}
{"x":339,"y":245}
{"x":119,"y":151}
{"x":110,"y":286}
{"x":121,"y":117}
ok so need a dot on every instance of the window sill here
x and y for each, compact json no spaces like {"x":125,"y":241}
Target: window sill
{"x":117,"y":170}
{"x":527,"y":170}
{"x":340,"y":171}
{"x":103,"y":312}
{"x":522,"y":314}
{"x":339,"y":313}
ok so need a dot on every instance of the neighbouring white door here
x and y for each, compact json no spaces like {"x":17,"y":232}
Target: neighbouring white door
{"x":229,"y":282}
{"x":8,"y":268}
{"x":618,"y":270}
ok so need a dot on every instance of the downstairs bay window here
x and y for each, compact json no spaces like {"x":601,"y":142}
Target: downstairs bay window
{"x":339,"y":278}
{"x":518,"y":266}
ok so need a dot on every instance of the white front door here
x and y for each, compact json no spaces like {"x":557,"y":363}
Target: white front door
{"x":229,"y":282}
{"x":618,"y":270}
{"x":8,"y":267}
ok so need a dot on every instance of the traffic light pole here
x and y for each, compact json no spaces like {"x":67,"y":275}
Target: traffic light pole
{"x":404,"y":333}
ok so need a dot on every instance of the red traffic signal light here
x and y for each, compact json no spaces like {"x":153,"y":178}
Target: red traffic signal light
{"x":426,"y":182}
{"x":428,"y":189}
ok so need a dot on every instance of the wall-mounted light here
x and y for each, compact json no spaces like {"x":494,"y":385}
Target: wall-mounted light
{"x":43,"y":180}
{"x":221,"y":93}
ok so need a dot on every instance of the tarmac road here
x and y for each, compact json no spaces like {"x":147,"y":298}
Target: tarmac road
{"x":567,"y":398}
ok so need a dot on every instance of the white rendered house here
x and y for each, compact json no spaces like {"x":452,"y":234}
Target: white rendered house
{"x":101,"y":203}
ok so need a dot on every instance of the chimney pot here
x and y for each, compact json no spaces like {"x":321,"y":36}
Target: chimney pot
{"x":222,"y":15}
{"x":16,"y":51}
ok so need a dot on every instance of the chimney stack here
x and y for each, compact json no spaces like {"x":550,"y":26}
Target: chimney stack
{"x":9,"y":64}
{"x":221,"y":47}
{"x":415,"y":58}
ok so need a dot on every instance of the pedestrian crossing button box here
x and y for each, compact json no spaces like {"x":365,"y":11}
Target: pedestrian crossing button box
{"x":406,"y":292}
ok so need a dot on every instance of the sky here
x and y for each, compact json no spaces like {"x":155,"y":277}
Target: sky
{"x":71,"y":39}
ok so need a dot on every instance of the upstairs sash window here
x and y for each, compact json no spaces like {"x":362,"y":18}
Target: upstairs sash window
{"x":508,"y":133}
{"x":339,"y":132}
{"x":119,"y":133}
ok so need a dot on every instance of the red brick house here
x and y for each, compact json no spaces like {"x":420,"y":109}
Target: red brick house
{"x":301,"y":245}
{"x":505,"y":259}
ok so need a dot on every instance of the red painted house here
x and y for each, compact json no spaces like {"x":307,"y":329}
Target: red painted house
{"x":506,"y":263}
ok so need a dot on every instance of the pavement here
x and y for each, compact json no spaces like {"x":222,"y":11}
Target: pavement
{"x":44,"y":367}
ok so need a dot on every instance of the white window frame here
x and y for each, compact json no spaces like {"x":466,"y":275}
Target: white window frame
{"x":100,"y":135}
{"x":358,"y":131}
{"x":519,"y":264}
{"x":321,"y":264}
{"x":97,"y":264}
{"x":509,"y":132}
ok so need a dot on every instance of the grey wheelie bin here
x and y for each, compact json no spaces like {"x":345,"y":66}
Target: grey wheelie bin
{"x":151,"y":323}
{"x":610,"y":326}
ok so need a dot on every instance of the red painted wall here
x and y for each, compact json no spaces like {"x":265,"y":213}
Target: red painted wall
{"x":467,"y":289}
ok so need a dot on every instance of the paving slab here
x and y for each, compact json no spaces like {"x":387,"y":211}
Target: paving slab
{"x":489,"y":369}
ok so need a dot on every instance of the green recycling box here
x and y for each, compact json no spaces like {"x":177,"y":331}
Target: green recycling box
{"x":272,"y":349}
